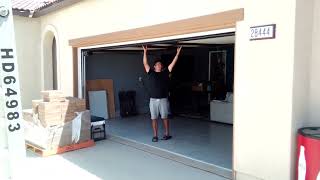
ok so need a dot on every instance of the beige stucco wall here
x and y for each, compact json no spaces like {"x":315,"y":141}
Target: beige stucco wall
{"x":27,"y":34}
{"x":92,"y":17}
{"x":272,"y":89}
{"x":263,"y":94}
{"x":301,"y":80}
{"x":272,"y":94}
{"x":314,"y":113}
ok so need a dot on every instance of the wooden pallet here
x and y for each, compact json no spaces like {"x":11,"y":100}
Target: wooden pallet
{"x":48,"y":152}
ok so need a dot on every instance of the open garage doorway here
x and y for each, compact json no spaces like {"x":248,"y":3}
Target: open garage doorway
{"x":201,"y":91}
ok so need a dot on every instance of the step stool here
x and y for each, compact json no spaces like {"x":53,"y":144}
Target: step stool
{"x":98,"y":128}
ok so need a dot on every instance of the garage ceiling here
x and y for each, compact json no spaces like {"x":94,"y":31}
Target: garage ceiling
{"x":185,"y":43}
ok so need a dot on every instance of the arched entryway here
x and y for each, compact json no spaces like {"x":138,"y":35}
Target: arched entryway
{"x":50,"y":60}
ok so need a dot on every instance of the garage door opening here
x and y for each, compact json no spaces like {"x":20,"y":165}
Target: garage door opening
{"x":201,"y":90}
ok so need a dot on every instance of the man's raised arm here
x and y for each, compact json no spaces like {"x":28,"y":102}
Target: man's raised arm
{"x":174,"y":61}
{"x":145,"y":60}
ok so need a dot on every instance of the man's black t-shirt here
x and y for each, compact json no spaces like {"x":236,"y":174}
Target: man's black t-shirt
{"x":159,"y":83}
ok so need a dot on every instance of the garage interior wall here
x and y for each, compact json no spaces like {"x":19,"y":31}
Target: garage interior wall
{"x":126,"y":68}
{"x":28,"y":41}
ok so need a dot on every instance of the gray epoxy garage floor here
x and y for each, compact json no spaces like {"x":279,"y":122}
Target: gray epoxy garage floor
{"x":202,"y":140}
{"x":109,"y":161}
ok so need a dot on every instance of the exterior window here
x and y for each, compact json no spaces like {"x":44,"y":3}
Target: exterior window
{"x":54,"y":65}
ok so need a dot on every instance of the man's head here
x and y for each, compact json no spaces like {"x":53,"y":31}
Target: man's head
{"x":158,"y":66}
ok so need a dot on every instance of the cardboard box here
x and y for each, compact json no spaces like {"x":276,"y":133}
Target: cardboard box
{"x":51,"y":137}
{"x":27,"y":115}
{"x":75,"y":103}
{"x":54,"y":113}
{"x":52,"y":96}
{"x":52,"y":93}
{"x":35,"y":105}
{"x":53,"y":99}
{"x":197,"y":87}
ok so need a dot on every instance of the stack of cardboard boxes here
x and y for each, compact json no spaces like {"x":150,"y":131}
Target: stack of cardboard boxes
{"x":56,"y":109}
{"x":57,"y":121}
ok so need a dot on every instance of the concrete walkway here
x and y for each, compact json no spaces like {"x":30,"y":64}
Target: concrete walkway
{"x":110,"y":161}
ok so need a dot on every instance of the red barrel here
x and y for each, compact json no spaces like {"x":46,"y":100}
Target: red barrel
{"x":308,"y":154}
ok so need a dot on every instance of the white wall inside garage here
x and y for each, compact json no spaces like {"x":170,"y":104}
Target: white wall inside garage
{"x":27,"y":34}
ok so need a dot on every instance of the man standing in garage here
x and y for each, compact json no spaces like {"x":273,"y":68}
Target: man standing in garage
{"x":159,"y":91}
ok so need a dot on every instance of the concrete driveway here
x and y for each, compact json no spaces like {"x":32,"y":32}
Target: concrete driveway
{"x":110,"y":160}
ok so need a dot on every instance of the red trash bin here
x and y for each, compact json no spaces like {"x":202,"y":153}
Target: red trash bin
{"x":308,"y":154}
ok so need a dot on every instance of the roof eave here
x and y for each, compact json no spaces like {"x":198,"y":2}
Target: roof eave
{"x":45,"y":10}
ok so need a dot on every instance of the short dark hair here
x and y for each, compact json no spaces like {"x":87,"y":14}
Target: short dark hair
{"x":156,"y":61}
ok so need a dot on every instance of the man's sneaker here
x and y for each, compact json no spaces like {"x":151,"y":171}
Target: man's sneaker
{"x":166,"y":137}
{"x":155,"y":139}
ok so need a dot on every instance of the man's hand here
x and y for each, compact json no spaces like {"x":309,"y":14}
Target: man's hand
{"x":145,"y":48}
{"x":179,"y":49}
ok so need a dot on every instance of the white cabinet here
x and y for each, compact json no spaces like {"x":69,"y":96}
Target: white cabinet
{"x":221,"y":111}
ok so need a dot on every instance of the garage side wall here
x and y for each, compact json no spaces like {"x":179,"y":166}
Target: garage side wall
{"x":301,"y":77}
{"x":263,"y":115}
